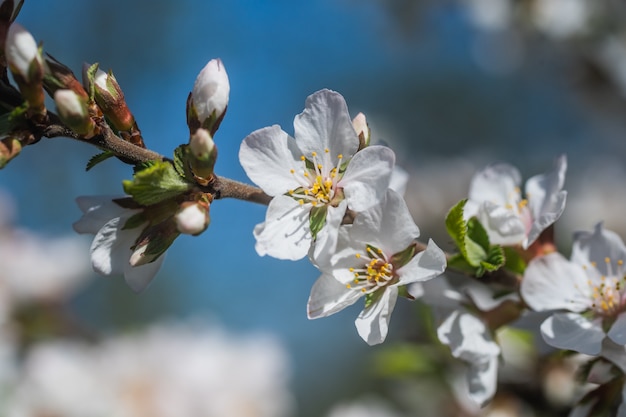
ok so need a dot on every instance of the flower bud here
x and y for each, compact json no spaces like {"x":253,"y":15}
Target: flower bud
{"x":59,"y":76}
{"x":193,"y":217}
{"x":362,"y":130}
{"x":9,"y":149}
{"x":25,"y":62}
{"x":203,"y":153}
{"x":73,"y":112}
{"x":209,"y":98}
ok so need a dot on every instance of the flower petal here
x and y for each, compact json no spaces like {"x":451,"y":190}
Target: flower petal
{"x":325,"y":124}
{"x":329,"y":296}
{"x":286,"y":233}
{"x":503,"y":226}
{"x":268,"y":155}
{"x":367,"y":177}
{"x":546,"y":199}
{"x":424,"y":266}
{"x":572,"y":331}
{"x":617,"y":333}
{"x":551,"y":282}
{"x":139,"y":277}
{"x":495,"y":183}
{"x":325,"y":243}
{"x":596,"y":246}
{"x":373,"y":322}
{"x":468,"y":337}
{"x":482,"y":380}
{"x":615,"y":353}
{"x":97,"y":211}
{"x":110,"y":249}
{"x":388,"y":226}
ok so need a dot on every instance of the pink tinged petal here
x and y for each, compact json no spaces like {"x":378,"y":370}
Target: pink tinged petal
{"x":424,"y":266}
{"x":572,"y":331}
{"x":326,"y":240}
{"x":97,"y":211}
{"x":110,"y":249}
{"x":285,"y":233}
{"x":373,"y":322}
{"x":268,"y":155}
{"x":139,"y":277}
{"x":546,"y":199}
{"x":617,"y":333}
{"x":329,"y":296}
{"x":596,"y":246}
{"x":367,"y":177}
{"x":503,"y":226}
{"x":496,"y":183}
{"x":388,"y":226}
{"x":551,"y":282}
{"x":325,"y":124}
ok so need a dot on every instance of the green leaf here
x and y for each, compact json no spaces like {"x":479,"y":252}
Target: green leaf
{"x":514,"y":261}
{"x":91,"y":76}
{"x":477,"y":233}
{"x":317,"y":219}
{"x":494,"y":260}
{"x":157,"y":182}
{"x":180,"y":161}
{"x":96,"y":159}
{"x":459,"y":263}
{"x":455,"y":224}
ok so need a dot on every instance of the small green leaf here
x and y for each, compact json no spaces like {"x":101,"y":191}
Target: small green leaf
{"x":180,"y":161}
{"x":455,"y":224}
{"x":398,"y":260}
{"x":514,"y":262}
{"x":477,"y":233}
{"x":317,"y":219}
{"x":91,"y":76}
{"x":459,"y":263}
{"x":156,"y":183}
{"x":96,"y":159}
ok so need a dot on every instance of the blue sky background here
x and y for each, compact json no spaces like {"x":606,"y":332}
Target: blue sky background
{"x":421,"y":80}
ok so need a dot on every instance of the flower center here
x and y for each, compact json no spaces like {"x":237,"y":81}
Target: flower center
{"x":318,"y":178}
{"x":374,"y":272}
{"x":606,"y":291}
{"x":519,"y":206}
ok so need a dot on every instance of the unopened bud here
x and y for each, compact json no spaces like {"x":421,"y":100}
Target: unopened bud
{"x":58,"y":76}
{"x":110,"y":98}
{"x":73,"y":112}
{"x":203,"y":153}
{"x":362,"y":130}
{"x":25,"y":62}
{"x":209,"y":98}
{"x":9,"y":149}
{"x":153,"y":242}
{"x":193,"y":217}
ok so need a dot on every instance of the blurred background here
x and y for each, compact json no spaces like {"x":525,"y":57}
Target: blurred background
{"x":449,"y":85}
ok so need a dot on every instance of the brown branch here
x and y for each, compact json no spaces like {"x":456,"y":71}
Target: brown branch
{"x":227,"y":188}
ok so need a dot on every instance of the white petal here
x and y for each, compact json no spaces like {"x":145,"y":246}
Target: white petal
{"x":468,"y":337}
{"x":617,"y":333}
{"x":572,"y":331}
{"x":484,"y":297}
{"x":367,"y":177}
{"x":495,"y":184}
{"x":546,"y":199}
{"x":482,"y":379}
{"x":503,"y":226}
{"x":325,"y":124}
{"x":110,"y":249}
{"x":329,"y":296}
{"x":438,"y":293}
{"x":21,"y":49}
{"x":286,"y":233}
{"x":615,"y":353}
{"x":268,"y":155}
{"x":424,"y":266}
{"x":551,"y":282}
{"x":138,"y":277}
{"x":388,"y":226}
{"x":399,"y":180}
{"x":373,"y":322}
{"x":98,"y":210}
{"x":596,"y":246}
{"x":326,"y":240}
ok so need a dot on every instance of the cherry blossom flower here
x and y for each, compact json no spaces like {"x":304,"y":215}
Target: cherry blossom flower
{"x":590,"y":286}
{"x":375,"y":256}
{"x":111,"y":252}
{"x":313,"y":178}
{"x":496,"y":200}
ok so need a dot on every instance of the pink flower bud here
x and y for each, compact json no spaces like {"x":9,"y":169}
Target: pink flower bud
{"x":193,"y":218}
{"x":210,"y":94}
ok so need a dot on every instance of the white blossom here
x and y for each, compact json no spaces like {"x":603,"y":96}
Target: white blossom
{"x":313,"y":178}
{"x":211,"y":91}
{"x":21,"y":50}
{"x":111,"y":251}
{"x":496,"y":200}
{"x":374,"y":257}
